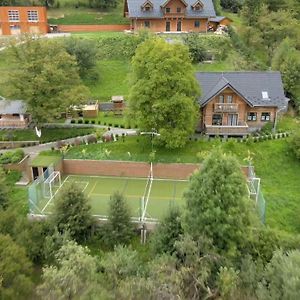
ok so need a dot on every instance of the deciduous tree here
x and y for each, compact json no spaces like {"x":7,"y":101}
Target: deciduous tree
{"x":164,"y":91}
{"x":4,"y":190}
{"x":15,"y":270}
{"x":74,"y":276}
{"x":46,"y":77}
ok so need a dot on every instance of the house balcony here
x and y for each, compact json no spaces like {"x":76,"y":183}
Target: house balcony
{"x":241,"y":129}
{"x":174,"y":15}
{"x":225,"y":107}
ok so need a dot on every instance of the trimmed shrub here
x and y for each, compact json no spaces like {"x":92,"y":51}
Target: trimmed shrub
{"x":92,"y":139}
{"x":86,"y":121}
{"x":80,"y":121}
{"x":93,"y":121}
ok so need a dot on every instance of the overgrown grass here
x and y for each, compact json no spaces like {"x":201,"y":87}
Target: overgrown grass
{"x":113,"y":79}
{"x":48,"y":134}
{"x":84,"y":15}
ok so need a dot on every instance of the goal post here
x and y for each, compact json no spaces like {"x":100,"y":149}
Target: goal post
{"x":51,"y":184}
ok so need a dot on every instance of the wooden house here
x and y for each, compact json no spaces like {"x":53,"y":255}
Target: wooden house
{"x":16,"y":20}
{"x":238,"y":103}
{"x":217,"y":21}
{"x":169,"y":15}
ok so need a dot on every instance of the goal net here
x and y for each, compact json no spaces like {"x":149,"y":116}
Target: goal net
{"x":52,"y":184}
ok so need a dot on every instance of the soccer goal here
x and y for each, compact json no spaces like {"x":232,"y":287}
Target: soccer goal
{"x":52,"y":184}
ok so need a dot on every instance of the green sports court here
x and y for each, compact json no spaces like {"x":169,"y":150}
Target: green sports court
{"x":148,"y":198}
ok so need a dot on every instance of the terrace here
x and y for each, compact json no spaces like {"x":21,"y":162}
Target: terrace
{"x":238,"y":130}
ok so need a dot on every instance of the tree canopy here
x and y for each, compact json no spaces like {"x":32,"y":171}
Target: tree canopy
{"x":164,"y":91}
{"x":46,"y":77}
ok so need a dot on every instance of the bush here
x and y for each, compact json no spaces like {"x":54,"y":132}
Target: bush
{"x":267,"y":128}
{"x":86,"y":121}
{"x":72,"y":121}
{"x":91,"y":139}
{"x":12,"y":157}
{"x":99,"y":122}
{"x":93,"y":121}
{"x":80,"y":121}
{"x":295,"y":144}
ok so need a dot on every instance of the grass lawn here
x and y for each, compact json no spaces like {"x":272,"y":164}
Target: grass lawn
{"x":113,"y":79}
{"x":48,"y":134}
{"x":112,"y":120}
{"x":83,"y":16}
{"x":97,"y":35}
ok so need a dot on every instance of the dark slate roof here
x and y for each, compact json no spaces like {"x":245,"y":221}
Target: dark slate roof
{"x":8,"y":107}
{"x":135,"y":11}
{"x":249,"y":85}
{"x":217,"y":19}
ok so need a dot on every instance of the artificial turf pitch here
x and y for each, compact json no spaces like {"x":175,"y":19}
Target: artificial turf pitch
{"x":163,"y":194}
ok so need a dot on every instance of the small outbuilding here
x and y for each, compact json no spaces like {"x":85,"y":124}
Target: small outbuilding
{"x":215,"y":22}
{"x":13,"y":114}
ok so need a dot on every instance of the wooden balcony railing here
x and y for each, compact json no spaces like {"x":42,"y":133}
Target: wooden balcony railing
{"x":239,"y":130}
{"x":174,"y":14}
{"x":225,"y":107}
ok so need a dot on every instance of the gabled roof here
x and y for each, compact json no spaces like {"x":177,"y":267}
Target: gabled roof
{"x":249,"y":85}
{"x":135,"y":11}
{"x":167,"y":1}
{"x":197,"y":2}
{"x":8,"y":107}
{"x":147,"y":2}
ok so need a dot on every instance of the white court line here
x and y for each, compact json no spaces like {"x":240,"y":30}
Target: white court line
{"x":54,"y":194}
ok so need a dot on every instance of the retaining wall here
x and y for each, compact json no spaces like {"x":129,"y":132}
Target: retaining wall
{"x":92,"y":28}
{"x":127,"y":169}
{"x":22,"y":166}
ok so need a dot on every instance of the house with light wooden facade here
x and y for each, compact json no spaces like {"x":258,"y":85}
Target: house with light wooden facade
{"x":239,"y":103}
{"x":169,"y":15}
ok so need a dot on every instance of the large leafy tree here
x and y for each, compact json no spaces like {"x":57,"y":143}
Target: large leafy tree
{"x":164,"y":90}
{"x":15,"y":270}
{"x":217,"y":204}
{"x":72,"y":213}
{"x":46,"y":77}
{"x":119,"y":229}
{"x":73,"y":276}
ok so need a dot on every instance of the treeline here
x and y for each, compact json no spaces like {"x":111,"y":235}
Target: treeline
{"x":213,"y":248}
{"x":268,"y":38}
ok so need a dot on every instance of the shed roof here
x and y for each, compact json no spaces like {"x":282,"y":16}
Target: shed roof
{"x":135,"y":11}
{"x":218,"y":19}
{"x":249,"y":85}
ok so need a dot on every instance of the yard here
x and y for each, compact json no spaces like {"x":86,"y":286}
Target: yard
{"x":48,"y":134}
{"x":273,"y":161}
{"x":73,"y":14}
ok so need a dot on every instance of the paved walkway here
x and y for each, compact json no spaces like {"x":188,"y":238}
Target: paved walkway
{"x":35,"y":150}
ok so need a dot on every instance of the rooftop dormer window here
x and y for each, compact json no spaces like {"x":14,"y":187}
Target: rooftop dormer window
{"x":147,"y":6}
{"x":198,"y":6}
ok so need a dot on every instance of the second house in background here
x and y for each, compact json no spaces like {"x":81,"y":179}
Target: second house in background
{"x":169,"y":15}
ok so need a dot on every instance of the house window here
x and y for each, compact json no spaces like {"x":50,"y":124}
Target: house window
{"x":197,"y":23}
{"x":13,"y":16}
{"x":32,"y":15}
{"x":179,"y":9}
{"x":229,"y":98}
{"x":147,"y":24}
{"x":168,"y":9}
{"x":252,"y":116}
{"x":147,"y":8}
{"x":265,"y":117}
{"x":221,"y":99}
{"x":217,"y":119}
{"x":198,"y":7}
